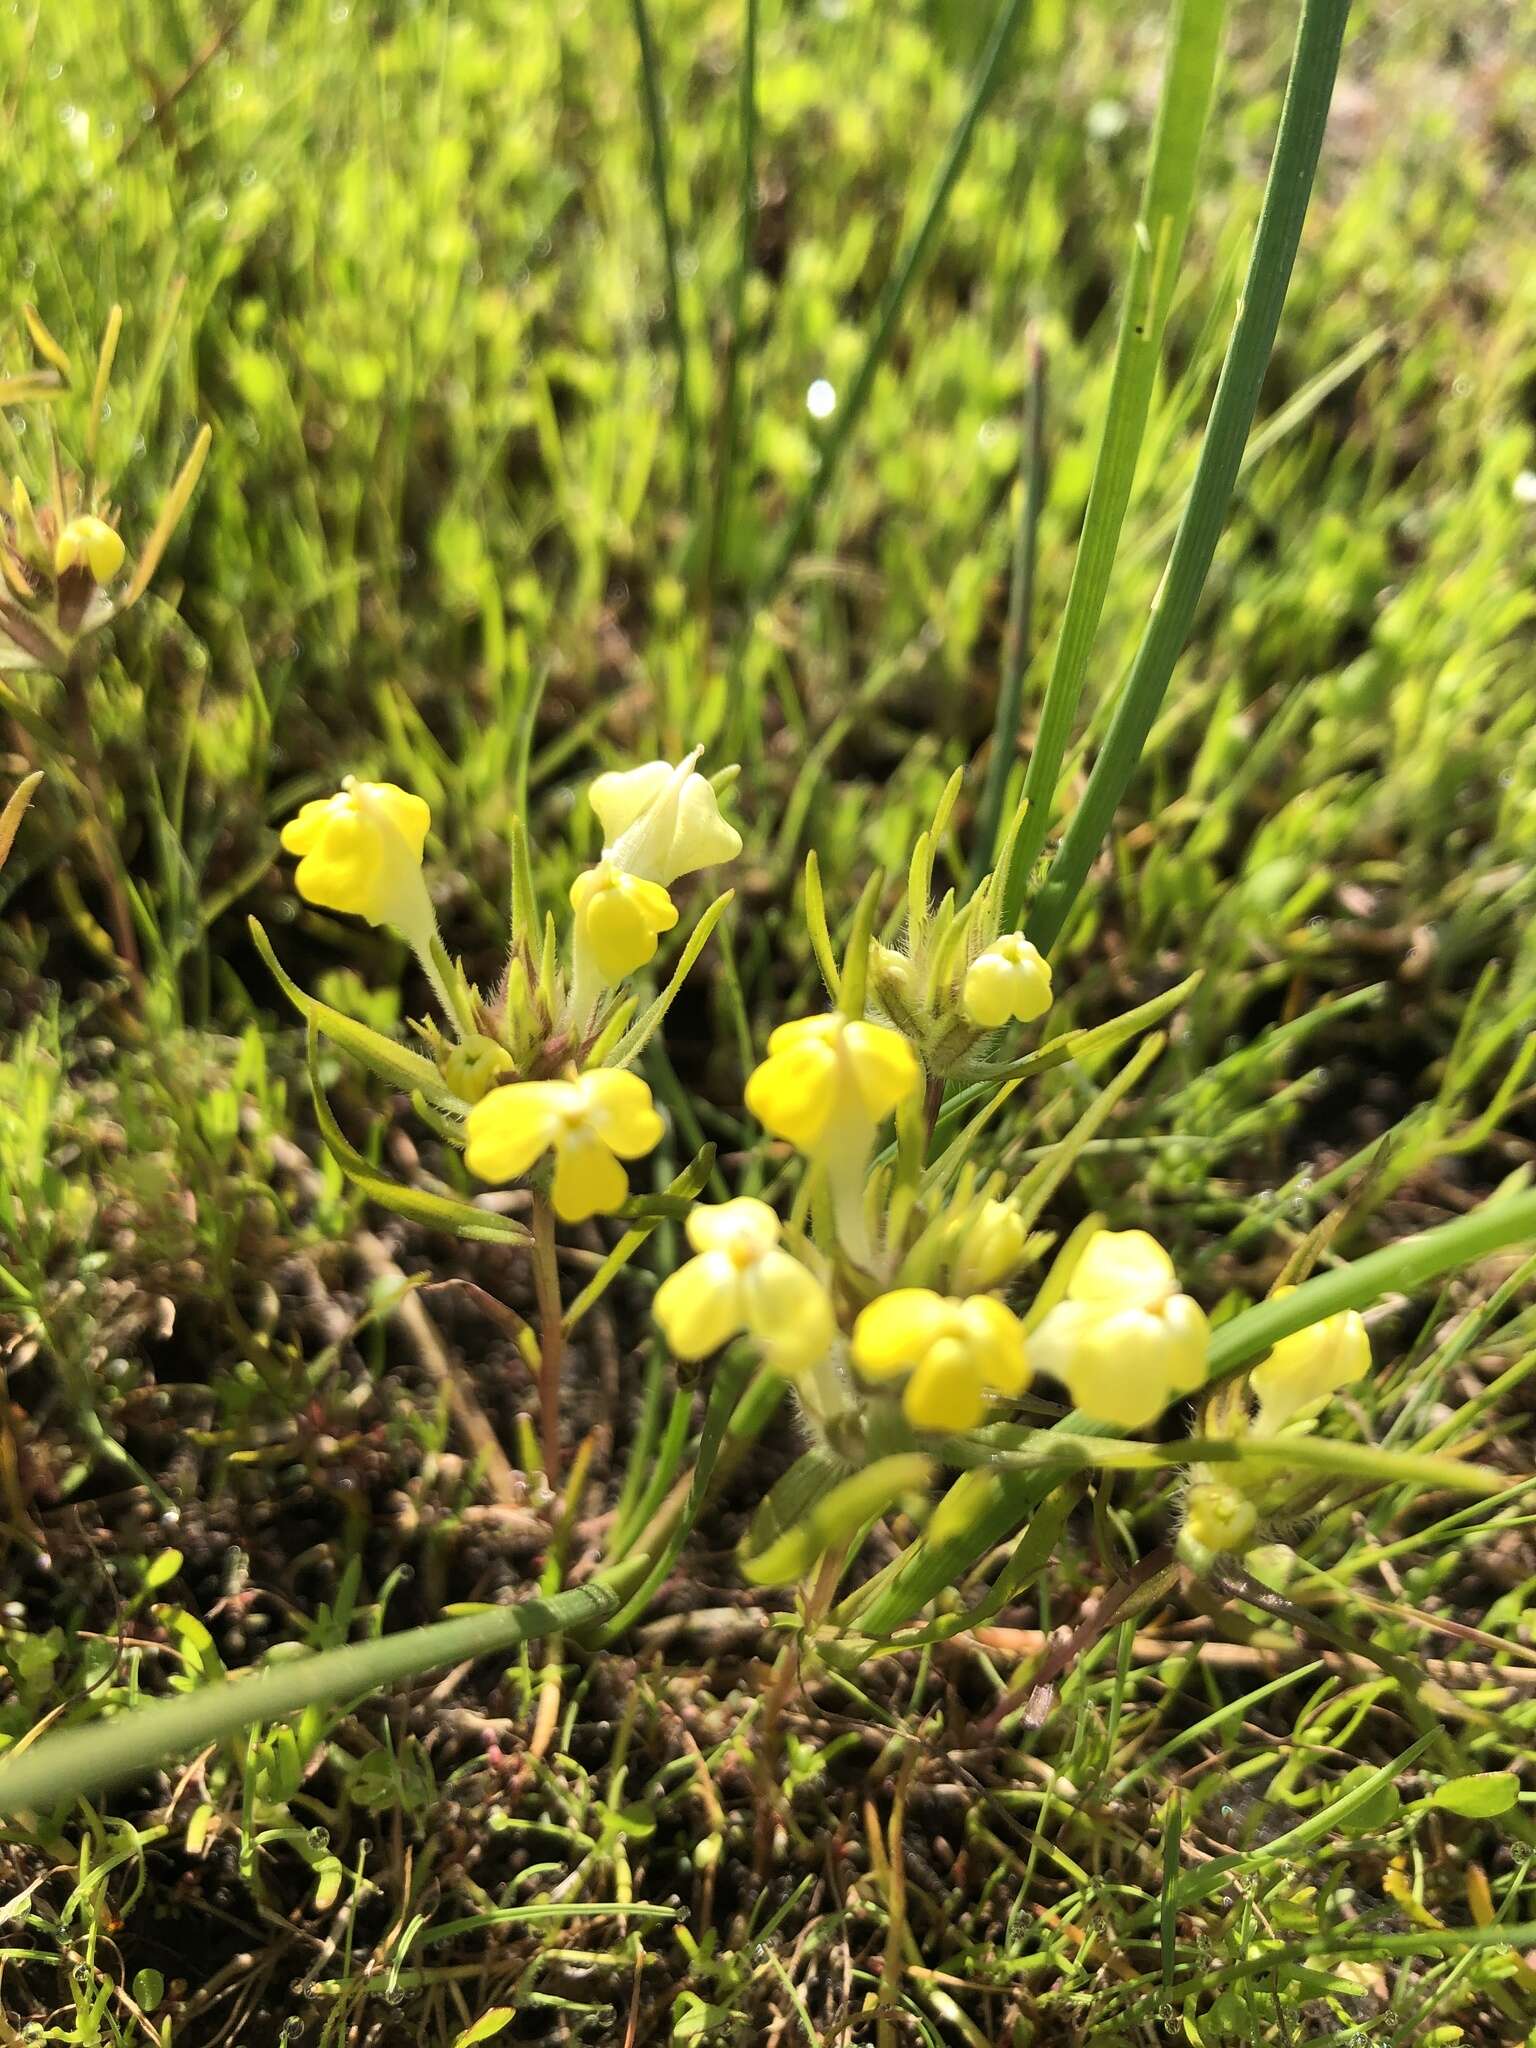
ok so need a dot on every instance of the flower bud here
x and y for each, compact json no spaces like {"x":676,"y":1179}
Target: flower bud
{"x":990,"y":1248}
{"x":1217,"y":1521}
{"x":1009,"y":982}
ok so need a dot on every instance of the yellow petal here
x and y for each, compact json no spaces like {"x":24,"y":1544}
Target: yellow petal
{"x":700,"y":1306}
{"x":90,"y":540}
{"x":1189,"y":1339}
{"x":995,"y":1338}
{"x":1123,"y":1269}
{"x":788,"y":1311}
{"x":743,"y":1228}
{"x":1116,"y":1366}
{"x":703,"y":838}
{"x":619,"y":918}
{"x":794,"y":1092}
{"x":589,"y":1181}
{"x":800,"y":1031}
{"x":895,"y":1331}
{"x":1310,"y":1366}
{"x":1010,"y":980}
{"x":619,"y":1109}
{"x":885,"y":1067}
{"x":361,"y":853}
{"x":990,"y":1249}
{"x":946,"y":1392}
{"x":512,"y":1127}
{"x":302,"y":834}
{"x":620,"y":797}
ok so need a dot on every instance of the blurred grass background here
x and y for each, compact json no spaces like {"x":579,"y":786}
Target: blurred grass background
{"x":460,"y":529}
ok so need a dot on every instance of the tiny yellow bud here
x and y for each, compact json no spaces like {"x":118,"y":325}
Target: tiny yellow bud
{"x":827,"y":1081}
{"x":990,"y":1248}
{"x":619,"y":919}
{"x":742,"y":1281}
{"x":590,"y":1123}
{"x":1308,"y":1367}
{"x":1217,"y":1518}
{"x":1124,"y":1342}
{"x":1010,"y":981}
{"x":660,"y":822}
{"x":360,"y":851}
{"x":952,"y":1354}
{"x":90,"y":540}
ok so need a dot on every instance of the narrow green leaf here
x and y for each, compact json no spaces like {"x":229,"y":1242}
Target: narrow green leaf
{"x":835,"y":1517}
{"x":1297,"y":146}
{"x":1157,"y":250}
{"x":645,"y":1027}
{"x":381,"y":1055}
{"x":103,"y":1752}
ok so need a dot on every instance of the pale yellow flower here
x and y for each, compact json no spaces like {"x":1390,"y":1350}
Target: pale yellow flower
{"x":90,"y":540}
{"x":661,"y":821}
{"x":619,"y":919}
{"x":1009,"y":982}
{"x":1308,"y":1367}
{"x":953,"y":1354}
{"x":360,"y":851}
{"x":590,"y":1123}
{"x":1125,"y":1341}
{"x":742,"y":1280}
{"x":990,"y":1249}
{"x":827,"y":1081}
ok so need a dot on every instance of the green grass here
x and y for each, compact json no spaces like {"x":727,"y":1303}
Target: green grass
{"x":459,"y":527}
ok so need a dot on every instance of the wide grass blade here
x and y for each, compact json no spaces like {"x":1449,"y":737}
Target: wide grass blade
{"x":1297,"y":147}
{"x":82,"y":1760}
{"x":1156,"y":252}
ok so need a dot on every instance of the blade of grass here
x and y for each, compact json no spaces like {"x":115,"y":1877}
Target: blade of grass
{"x":1298,"y":145}
{"x":84,"y":1759}
{"x":1019,"y":635}
{"x":988,"y":76}
{"x":730,"y":396}
{"x":656,"y":122}
{"x":1156,"y":253}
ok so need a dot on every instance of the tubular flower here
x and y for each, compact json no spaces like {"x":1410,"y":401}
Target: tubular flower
{"x":827,"y":1081}
{"x":360,"y":851}
{"x":952,"y":1353}
{"x":1010,"y":981}
{"x":743,"y":1281}
{"x":1304,"y":1369}
{"x":618,"y":921}
{"x":590,"y":1123}
{"x":660,"y":822}
{"x":1125,"y":1341}
{"x":90,"y":540}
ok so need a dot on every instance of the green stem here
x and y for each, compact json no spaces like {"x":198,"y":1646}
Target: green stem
{"x":850,"y":411}
{"x":1019,"y":635}
{"x":83,"y":1760}
{"x":1297,"y":146}
{"x":656,"y":119}
{"x":546,"y":1287}
{"x":1157,"y":250}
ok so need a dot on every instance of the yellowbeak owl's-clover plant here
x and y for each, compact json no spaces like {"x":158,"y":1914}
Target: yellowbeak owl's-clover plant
{"x":531,"y":1080}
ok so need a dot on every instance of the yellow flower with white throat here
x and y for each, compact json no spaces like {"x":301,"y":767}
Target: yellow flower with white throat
{"x":619,"y":921}
{"x":360,"y":851}
{"x":953,"y":1354}
{"x":661,"y":821}
{"x":591,"y":1123}
{"x":827,"y":1079}
{"x":1310,"y":1366}
{"x":1125,"y":1341}
{"x":1009,"y":982}
{"x":743,"y":1281}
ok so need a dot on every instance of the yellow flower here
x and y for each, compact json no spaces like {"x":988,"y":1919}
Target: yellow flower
{"x":1125,"y":1341}
{"x":1010,"y":980}
{"x":660,"y":822}
{"x":827,"y":1081}
{"x":360,"y":851}
{"x":952,"y":1353}
{"x":618,"y":920}
{"x":743,"y":1281}
{"x":1306,"y":1368}
{"x":90,"y":540}
{"x":990,"y":1248}
{"x":590,"y":1123}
